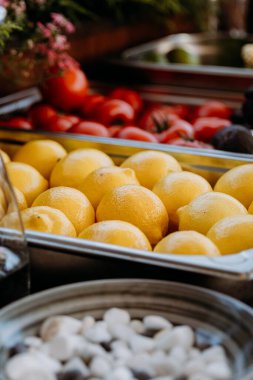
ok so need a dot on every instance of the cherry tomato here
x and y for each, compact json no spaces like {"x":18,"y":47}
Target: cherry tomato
{"x":17,"y":122}
{"x":135,"y":133}
{"x":213,"y":108}
{"x":114,"y":130}
{"x":90,"y":128}
{"x":115,"y":111}
{"x":190,"y":144}
{"x":180,"y":128}
{"x":66,"y":91}
{"x":157,"y":119}
{"x":40,"y":115}
{"x":129,"y":96}
{"x":206,"y":127}
{"x":90,"y":104}
{"x":61,"y":123}
{"x":180,"y":110}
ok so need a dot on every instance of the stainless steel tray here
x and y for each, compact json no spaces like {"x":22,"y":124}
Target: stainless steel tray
{"x":217,"y":54}
{"x":210,"y":164}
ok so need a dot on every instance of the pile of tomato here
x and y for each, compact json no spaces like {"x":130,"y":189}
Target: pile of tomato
{"x":69,"y":106}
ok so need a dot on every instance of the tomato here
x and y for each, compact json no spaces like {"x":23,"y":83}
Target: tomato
{"x":135,"y":133}
{"x":157,"y":119}
{"x":90,"y":104}
{"x":129,"y":96}
{"x":180,"y":128}
{"x":40,"y":115}
{"x":180,"y":110}
{"x":115,"y":111}
{"x":206,"y":127}
{"x":114,"y":130}
{"x":90,"y":128}
{"x":190,"y":143}
{"x":17,"y":122}
{"x":66,"y":91}
{"x":61,"y":123}
{"x":213,"y":108}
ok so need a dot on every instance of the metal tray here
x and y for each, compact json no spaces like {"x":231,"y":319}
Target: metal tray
{"x":220,"y":66}
{"x":204,"y":162}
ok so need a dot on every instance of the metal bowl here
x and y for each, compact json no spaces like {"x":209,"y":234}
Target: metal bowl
{"x":217,"y":319}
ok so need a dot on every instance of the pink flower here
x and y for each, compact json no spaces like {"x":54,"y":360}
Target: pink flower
{"x":61,"y":22}
{"x":4,"y":3}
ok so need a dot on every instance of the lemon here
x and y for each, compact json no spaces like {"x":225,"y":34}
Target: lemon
{"x":4,"y":156}
{"x":117,"y":232}
{"x":74,"y":168}
{"x":42,"y":219}
{"x":233,"y":234}
{"x":207,"y":209}
{"x":3,"y":204}
{"x":150,"y":166}
{"x":97,"y":183}
{"x":250,"y":210}
{"x":26,"y":179}
{"x":137,"y":205}
{"x":178,"y":189}
{"x":187,"y":243}
{"x":21,"y":201}
{"x":41,"y":154}
{"x":238,"y":182}
{"x":74,"y":204}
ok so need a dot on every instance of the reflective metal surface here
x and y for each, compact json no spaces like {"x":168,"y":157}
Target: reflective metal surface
{"x":214,"y":61}
{"x":228,"y":322}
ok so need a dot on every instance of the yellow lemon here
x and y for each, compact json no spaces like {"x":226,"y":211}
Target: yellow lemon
{"x":250,"y":210}
{"x":178,"y":189}
{"x":137,"y":205}
{"x":233,"y":234}
{"x":117,"y":232}
{"x":4,"y":156}
{"x":26,"y":179}
{"x":74,"y":168}
{"x":207,"y":209}
{"x":150,"y":166}
{"x":238,"y":182}
{"x":74,"y":204}
{"x":97,"y":183}
{"x":42,"y":219}
{"x":41,"y":154}
{"x":187,"y":243}
{"x":20,"y":199}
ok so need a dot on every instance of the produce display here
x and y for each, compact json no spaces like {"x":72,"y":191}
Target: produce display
{"x":117,"y":347}
{"x":148,"y":202}
{"x":70,"y":106}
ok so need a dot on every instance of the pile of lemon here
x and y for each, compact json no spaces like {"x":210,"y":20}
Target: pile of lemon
{"x":147,"y":203}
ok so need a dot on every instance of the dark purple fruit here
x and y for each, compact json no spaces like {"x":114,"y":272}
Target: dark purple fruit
{"x":234,"y":138}
{"x":237,"y":117}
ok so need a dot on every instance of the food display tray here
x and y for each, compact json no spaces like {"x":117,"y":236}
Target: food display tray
{"x":82,"y":259}
{"x":210,"y":73}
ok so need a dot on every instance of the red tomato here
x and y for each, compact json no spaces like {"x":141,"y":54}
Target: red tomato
{"x":91,"y":103}
{"x":180,"y":128}
{"x":66,"y":91}
{"x":17,"y":122}
{"x":90,"y":128}
{"x":135,"y":133}
{"x":157,"y":119}
{"x":190,"y":144}
{"x":206,"y":127}
{"x":129,"y":96}
{"x":180,"y":110}
{"x":114,"y":130}
{"x":40,"y":115}
{"x":213,"y":108}
{"x":61,"y":123}
{"x":115,"y":111}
